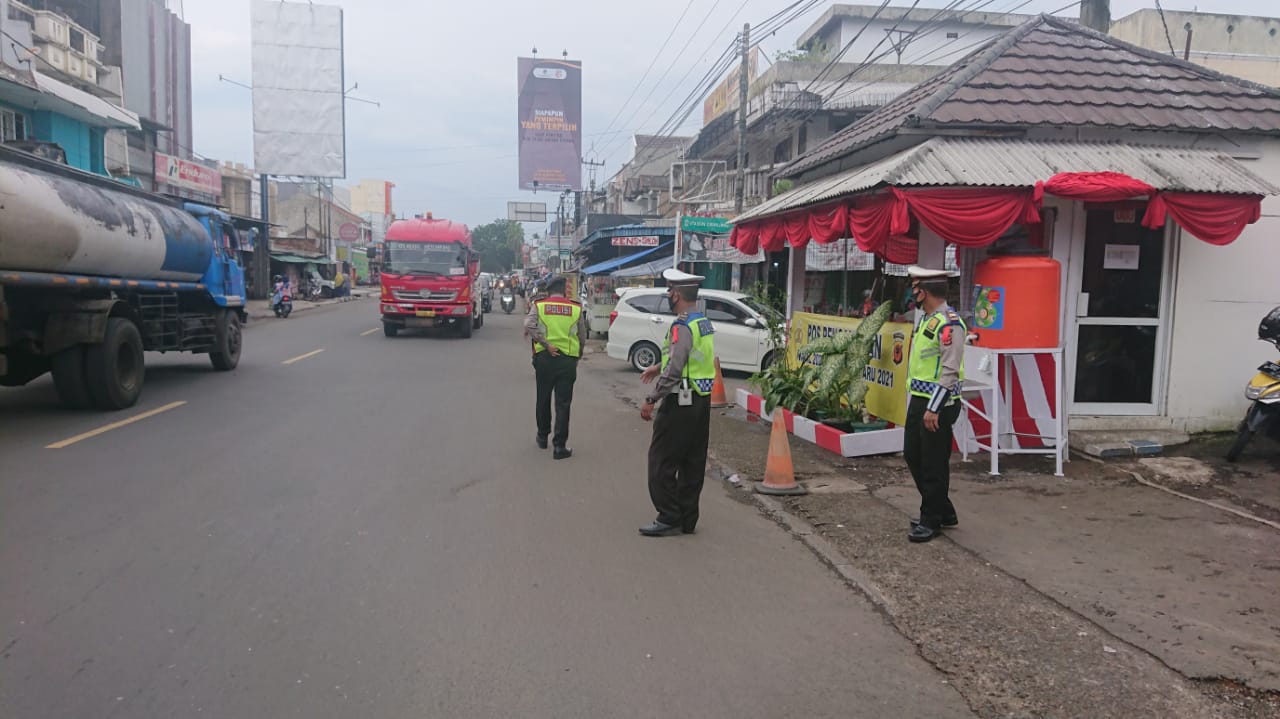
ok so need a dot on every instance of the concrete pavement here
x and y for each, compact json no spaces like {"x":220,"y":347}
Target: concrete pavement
{"x":350,"y":525}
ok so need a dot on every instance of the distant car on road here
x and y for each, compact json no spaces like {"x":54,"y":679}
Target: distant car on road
{"x":640,"y":322}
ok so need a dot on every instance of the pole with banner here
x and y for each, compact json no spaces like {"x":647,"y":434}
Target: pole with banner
{"x":675,"y":257}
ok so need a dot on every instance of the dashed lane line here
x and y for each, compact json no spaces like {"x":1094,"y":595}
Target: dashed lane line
{"x":299,"y":358}
{"x":114,"y":425}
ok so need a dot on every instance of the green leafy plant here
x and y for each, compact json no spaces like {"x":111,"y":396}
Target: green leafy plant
{"x":839,"y":388}
{"x":781,"y":186}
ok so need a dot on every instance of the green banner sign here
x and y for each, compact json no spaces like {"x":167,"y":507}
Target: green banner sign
{"x":707,"y":225}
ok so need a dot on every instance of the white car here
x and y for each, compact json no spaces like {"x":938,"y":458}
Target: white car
{"x":640,"y":321}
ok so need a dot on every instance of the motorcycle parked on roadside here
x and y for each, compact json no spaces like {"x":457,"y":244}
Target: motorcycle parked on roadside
{"x":1264,"y":393}
{"x":282,"y":301}
{"x":508,"y":299}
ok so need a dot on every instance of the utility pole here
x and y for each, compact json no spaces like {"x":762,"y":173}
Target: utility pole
{"x":1096,"y":15}
{"x":740,"y":182}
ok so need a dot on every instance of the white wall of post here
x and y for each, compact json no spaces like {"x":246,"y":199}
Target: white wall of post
{"x":795,"y":281}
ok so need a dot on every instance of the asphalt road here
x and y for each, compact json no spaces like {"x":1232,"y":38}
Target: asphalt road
{"x":356,"y":526}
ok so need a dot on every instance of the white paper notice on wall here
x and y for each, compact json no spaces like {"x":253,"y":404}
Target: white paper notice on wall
{"x":1121,"y":257}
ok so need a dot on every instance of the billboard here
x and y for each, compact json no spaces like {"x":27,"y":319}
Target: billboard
{"x":550,"y":109}
{"x":532,"y":212}
{"x":725,"y":97}
{"x":706,"y":239}
{"x":299,"y":109}
{"x":182,"y":174}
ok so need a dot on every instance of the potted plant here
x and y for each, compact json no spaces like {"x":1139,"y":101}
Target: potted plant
{"x":838,"y":388}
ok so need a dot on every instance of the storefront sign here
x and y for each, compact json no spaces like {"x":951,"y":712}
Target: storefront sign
{"x":1122,"y":257}
{"x":642,"y":241}
{"x":706,"y":239}
{"x":349,"y":232}
{"x":186,"y":175}
{"x":886,"y":374}
{"x":725,"y":97}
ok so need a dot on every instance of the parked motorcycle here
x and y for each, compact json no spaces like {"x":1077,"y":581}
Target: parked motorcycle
{"x":282,"y":302}
{"x":508,"y":299}
{"x":1263,"y":391}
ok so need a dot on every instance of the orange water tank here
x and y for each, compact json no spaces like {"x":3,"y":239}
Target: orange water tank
{"x":1016,"y":302}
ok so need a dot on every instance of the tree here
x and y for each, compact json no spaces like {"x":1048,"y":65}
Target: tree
{"x":498,"y":244}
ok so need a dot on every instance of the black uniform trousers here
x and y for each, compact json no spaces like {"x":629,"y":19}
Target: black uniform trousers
{"x":678,"y":459}
{"x":555,"y":375}
{"x":928,"y":457}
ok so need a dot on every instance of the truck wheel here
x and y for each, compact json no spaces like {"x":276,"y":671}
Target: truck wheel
{"x":480,"y":321}
{"x":465,"y":327}
{"x":70,"y":379}
{"x":227,"y":341}
{"x":389,"y":329}
{"x":114,"y":368}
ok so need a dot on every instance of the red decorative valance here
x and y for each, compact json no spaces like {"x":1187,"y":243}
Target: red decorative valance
{"x":975,"y":217}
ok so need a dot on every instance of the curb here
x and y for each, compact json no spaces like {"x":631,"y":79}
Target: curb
{"x":268,"y":314}
{"x":809,"y":536}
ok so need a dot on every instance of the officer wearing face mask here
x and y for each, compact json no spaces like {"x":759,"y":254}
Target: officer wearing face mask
{"x":682,"y":397}
{"x":936,"y":369}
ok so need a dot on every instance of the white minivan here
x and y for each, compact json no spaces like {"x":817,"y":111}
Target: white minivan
{"x":640,"y":321}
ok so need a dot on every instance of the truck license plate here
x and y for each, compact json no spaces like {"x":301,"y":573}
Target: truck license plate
{"x":1270,"y":369}
{"x":426,"y":313}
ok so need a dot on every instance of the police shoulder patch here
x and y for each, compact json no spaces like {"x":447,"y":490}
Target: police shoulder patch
{"x":704,"y":327}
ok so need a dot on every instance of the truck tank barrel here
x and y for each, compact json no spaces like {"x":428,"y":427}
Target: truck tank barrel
{"x":59,"y":220}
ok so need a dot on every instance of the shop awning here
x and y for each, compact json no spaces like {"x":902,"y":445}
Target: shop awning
{"x":603,"y":267}
{"x":652,"y":268}
{"x":298,"y":260}
{"x":971,"y":190}
{"x":1011,"y":162}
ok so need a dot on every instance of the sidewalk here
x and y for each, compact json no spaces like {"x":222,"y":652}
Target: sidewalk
{"x":1090,"y":595}
{"x":259,"y":309}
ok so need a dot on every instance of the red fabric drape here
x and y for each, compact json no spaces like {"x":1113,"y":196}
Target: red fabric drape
{"x":1216,"y":219}
{"x":773,"y":234}
{"x":745,"y":237}
{"x":871,"y":222}
{"x":796,"y":228}
{"x":1093,"y":187}
{"x":970,"y":217}
{"x":828,"y":224}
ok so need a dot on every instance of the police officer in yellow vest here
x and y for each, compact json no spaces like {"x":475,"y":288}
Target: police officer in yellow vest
{"x":557,"y":327}
{"x":682,"y":397}
{"x":936,"y":369}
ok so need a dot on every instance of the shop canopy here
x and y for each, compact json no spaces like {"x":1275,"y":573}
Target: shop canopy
{"x":649,"y":269}
{"x":298,"y":260}
{"x":971,"y":190}
{"x":601,"y":268}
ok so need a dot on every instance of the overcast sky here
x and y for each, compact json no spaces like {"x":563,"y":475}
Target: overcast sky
{"x":445,"y":75}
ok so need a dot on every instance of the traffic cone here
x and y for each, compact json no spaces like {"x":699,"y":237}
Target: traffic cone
{"x":779,"y":474}
{"x":718,"y":398}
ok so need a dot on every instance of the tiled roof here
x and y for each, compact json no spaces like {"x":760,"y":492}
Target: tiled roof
{"x":1050,"y":72}
{"x":1018,"y":162}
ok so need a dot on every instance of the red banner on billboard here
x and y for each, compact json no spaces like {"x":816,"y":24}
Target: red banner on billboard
{"x":186,"y":175}
{"x":550,"y":108}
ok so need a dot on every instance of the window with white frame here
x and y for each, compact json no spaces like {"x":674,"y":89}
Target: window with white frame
{"x":13,"y":126}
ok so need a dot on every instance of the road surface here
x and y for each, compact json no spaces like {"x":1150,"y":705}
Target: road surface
{"x":356,"y":526}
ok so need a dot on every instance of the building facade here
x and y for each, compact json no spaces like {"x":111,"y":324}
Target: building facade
{"x":1239,"y":45}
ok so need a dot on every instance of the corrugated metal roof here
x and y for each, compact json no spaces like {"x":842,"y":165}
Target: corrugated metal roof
{"x":1006,"y":162}
{"x":1052,"y":72}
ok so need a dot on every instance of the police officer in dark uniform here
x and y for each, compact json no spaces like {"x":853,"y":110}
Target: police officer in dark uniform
{"x":557,"y":327}
{"x":682,"y":397}
{"x":936,"y":370}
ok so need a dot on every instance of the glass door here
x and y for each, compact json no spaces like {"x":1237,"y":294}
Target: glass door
{"x":1120,"y":312}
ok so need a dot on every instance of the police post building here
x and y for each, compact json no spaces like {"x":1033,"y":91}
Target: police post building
{"x":1110,"y":203}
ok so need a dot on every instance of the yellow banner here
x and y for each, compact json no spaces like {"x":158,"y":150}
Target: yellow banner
{"x":886,"y":374}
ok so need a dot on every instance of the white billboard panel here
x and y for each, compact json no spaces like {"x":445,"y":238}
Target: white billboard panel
{"x":299,"y":114}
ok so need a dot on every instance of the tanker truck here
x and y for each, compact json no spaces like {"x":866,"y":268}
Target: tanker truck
{"x":94,"y":272}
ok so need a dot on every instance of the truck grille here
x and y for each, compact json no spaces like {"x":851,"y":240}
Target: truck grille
{"x":425,"y":295}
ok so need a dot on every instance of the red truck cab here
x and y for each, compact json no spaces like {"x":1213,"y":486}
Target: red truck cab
{"x":429,"y":277}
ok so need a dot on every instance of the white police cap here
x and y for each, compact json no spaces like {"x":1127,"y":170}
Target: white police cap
{"x":924,"y":273}
{"x":675,"y":278}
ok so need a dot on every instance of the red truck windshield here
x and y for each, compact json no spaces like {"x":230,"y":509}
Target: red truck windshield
{"x":426,"y":258}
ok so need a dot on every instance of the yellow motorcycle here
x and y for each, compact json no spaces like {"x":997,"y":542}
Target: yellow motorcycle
{"x":1263,"y":391}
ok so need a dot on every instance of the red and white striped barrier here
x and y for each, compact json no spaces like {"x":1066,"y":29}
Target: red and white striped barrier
{"x":851,"y":444}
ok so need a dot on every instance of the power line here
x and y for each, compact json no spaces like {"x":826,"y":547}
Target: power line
{"x":647,"y":70}
{"x":1167,"y":36}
